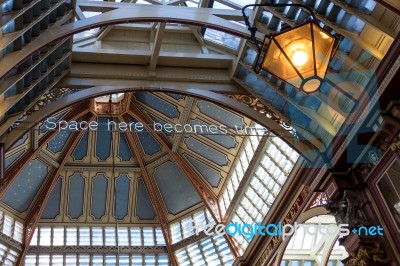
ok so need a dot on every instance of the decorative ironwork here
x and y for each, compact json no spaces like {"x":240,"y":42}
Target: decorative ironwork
{"x":366,"y":254}
{"x":320,"y":200}
{"x":257,"y":105}
{"x":49,"y":97}
{"x":395,"y":145}
{"x":96,"y":249}
{"x":348,"y":209}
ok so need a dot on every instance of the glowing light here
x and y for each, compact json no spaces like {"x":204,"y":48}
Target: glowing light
{"x":299,"y":58}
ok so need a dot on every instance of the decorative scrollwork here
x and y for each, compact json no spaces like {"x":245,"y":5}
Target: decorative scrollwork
{"x":320,"y":200}
{"x":257,"y":105}
{"x":49,"y":97}
{"x":366,"y":254}
{"x":395,"y":145}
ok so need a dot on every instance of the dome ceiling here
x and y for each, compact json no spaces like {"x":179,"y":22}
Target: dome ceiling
{"x":106,"y":173}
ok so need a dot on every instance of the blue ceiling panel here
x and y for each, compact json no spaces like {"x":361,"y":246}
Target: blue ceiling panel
{"x":99,"y":196}
{"x":52,"y":208}
{"x":149,"y":144}
{"x":212,"y":176}
{"x":220,"y":114}
{"x":45,"y":125}
{"x":10,"y":159}
{"x":76,"y":195}
{"x":57,"y":143}
{"x":157,"y":104}
{"x":144,"y":208}
{"x":176,"y":189}
{"x":81,"y":150}
{"x":103,"y":140}
{"x":206,"y":151}
{"x":26,"y":185}
{"x":125,"y":152}
{"x":121,"y":200}
{"x":224,"y":140}
{"x":176,"y":96}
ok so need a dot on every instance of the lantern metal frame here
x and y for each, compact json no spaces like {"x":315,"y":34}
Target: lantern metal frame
{"x":263,"y":50}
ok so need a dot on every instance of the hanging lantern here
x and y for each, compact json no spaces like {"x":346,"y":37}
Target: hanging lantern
{"x":298,"y":56}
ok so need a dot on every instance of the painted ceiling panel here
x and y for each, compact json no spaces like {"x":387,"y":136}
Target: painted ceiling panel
{"x":99,"y":196}
{"x":10,"y":159}
{"x":125,"y":152}
{"x":176,"y":96}
{"x":176,"y":189}
{"x":57,"y":143}
{"x":206,"y":151}
{"x":103,"y":140}
{"x":81,"y":149}
{"x":52,"y":208}
{"x":212,"y":176}
{"x":20,"y":195}
{"x":157,"y":104}
{"x":121,"y":200}
{"x":149,"y":144}
{"x":224,"y":140}
{"x":76,"y":195}
{"x":220,"y":114}
{"x":45,"y":125}
{"x":144,"y":209}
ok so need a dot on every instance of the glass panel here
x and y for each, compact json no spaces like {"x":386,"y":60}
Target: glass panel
{"x":7,"y":225}
{"x":148,"y":236}
{"x":123,"y":236}
{"x":84,"y":260}
{"x":110,"y":236}
{"x":58,"y":236}
{"x":72,"y":236}
{"x":136,"y":237}
{"x":97,"y":236}
{"x":84,"y":236}
{"x":45,"y":236}
{"x":70,"y":260}
{"x":18,"y":231}
{"x":160,"y":237}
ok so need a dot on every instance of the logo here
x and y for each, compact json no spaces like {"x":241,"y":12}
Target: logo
{"x":285,"y":231}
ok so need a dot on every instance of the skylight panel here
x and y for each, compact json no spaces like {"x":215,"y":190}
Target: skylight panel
{"x":222,"y":38}
{"x":185,"y":228}
{"x":221,"y":6}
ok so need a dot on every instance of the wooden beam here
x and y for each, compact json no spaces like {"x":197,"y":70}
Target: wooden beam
{"x":39,"y":204}
{"x":156,"y":46}
{"x":154,"y":196}
{"x":12,"y":173}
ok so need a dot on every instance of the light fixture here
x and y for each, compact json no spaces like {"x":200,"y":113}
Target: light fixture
{"x":299,"y":55}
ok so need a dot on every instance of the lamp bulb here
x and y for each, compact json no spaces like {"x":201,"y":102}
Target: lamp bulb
{"x":299,"y":58}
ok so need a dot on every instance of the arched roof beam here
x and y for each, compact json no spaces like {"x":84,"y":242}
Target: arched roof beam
{"x":300,"y":146}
